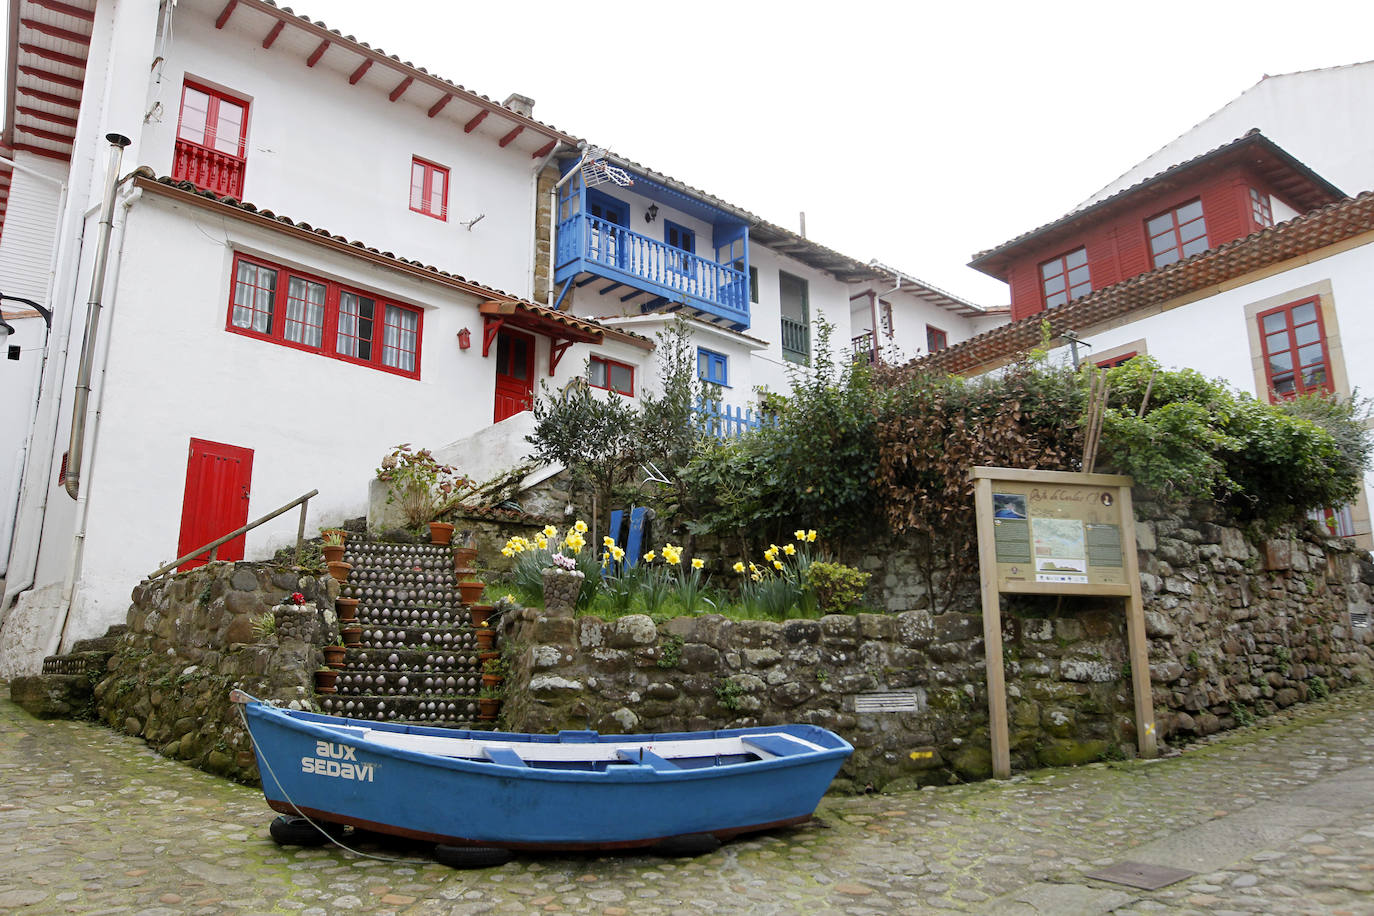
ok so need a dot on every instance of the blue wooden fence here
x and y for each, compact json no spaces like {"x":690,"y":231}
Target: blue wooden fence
{"x":724,"y":421}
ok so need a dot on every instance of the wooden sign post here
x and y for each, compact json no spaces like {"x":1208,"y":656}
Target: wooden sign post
{"x":1057,"y":533}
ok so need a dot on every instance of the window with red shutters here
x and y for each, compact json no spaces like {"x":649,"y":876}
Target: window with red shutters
{"x":1065,"y":278}
{"x":276,"y":303}
{"x":611,"y":375}
{"x":1177,"y":234}
{"x":936,"y":339}
{"x":1293,"y":341}
{"x":428,"y":188}
{"x":212,"y":140}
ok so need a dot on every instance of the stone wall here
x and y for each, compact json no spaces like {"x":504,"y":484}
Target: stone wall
{"x":1236,"y":628}
{"x":191,"y":639}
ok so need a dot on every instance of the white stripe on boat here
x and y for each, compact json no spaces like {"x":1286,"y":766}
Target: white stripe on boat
{"x":553,"y":752}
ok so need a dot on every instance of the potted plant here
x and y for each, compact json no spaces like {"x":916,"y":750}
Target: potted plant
{"x":423,"y":487}
{"x":339,"y":569}
{"x":464,"y":557}
{"x":352,"y":636}
{"x":347,"y":608}
{"x":493,"y":672}
{"x":471,"y":590}
{"x":481,"y":614}
{"x":489,"y":703}
{"x":486,"y":638}
{"x":334,"y":655}
{"x":332,"y":545}
{"x":324,"y":680}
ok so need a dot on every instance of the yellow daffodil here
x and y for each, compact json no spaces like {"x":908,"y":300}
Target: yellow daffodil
{"x":777,"y":564}
{"x":580,"y":526}
{"x":649,"y":557}
{"x":541,"y":542}
{"x":575,"y":541}
{"x":550,"y":531}
{"x":771,"y":553}
{"x":672,"y":554}
{"x":507,"y":552}
{"x":757,"y":577}
{"x":608,"y":541}
{"x":617,"y":553}
{"x":697,"y":562}
{"x":811,"y":536}
{"x":789,"y":549}
{"x":799,"y":534}
{"x":738,"y":567}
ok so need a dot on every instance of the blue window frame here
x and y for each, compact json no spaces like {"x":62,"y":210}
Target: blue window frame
{"x":713,"y":367}
{"x":681,"y":238}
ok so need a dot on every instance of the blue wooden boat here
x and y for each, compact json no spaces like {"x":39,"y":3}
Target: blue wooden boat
{"x":572,"y":790}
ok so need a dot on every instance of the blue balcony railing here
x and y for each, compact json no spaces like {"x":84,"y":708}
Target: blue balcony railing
{"x":587,"y":243}
{"x":796,"y":340}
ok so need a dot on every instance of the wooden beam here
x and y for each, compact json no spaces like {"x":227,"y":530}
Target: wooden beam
{"x":55,"y":32}
{"x":224,"y":15}
{"x":48,"y":97}
{"x":45,"y":134}
{"x":51,"y":77}
{"x":439,"y":105}
{"x":544,"y":150}
{"x":65,"y":9}
{"x":506,"y":140}
{"x":46,"y":116}
{"x":400,"y":90}
{"x":315,"y":56}
{"x":358,"y":74}
{"x":272,"y":35}
{"x":56,"y":57}
{"x":476,"y":119}
{"x":43,"y":151}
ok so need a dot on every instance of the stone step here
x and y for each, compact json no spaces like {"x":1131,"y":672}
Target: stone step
{"x":454,"y":712}
{"x":440,"y":618}
{"x":423,"y":660}
{"x":77,"y":663}
{"x":98,"y":644}
{"x":419,"y":638}
{"x":408,"y":683}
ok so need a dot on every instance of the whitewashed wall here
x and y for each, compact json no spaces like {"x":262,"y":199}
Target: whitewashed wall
{"x":829,"y":299}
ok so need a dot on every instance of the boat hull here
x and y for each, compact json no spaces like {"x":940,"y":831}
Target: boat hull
{"x":326,"y":768}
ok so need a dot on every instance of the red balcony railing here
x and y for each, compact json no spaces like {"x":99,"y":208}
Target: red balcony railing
{"x":208,"y":169}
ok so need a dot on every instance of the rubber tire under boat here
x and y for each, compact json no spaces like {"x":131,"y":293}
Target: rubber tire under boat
{"x":471,"y":856}
{"x":688,"y":844}
{"x":290,"y":830}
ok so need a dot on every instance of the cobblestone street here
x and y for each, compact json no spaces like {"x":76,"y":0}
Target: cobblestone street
{"x":1274,"y":818}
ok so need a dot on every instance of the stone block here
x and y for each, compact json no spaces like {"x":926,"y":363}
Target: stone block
{"x":878,"y":626}
{"x":792,"y":694}
{"x":796,"y":632}
{"x":1063,"y":752}
{"x":1088,"y":670}
{"x":1144,"y":535}
{"x":632,"y":630}
{"x":756,"y":633}
{"x":762,"y":658}
{"x":840,"y":629}
{"x":1159,"y":626}
{"x":1278,"y":554}
{"x":915,"y":629}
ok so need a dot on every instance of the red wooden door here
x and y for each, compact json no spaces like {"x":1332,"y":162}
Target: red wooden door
{"x":514,"y":373}
{"x":216,"y":499}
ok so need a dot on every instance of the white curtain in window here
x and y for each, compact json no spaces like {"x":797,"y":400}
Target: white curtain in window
{"x":255,"y":288}
{"x":398,"y":346}
{"x":305,"y":312}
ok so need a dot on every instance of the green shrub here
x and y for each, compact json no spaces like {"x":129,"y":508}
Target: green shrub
{"x":837,"y":587}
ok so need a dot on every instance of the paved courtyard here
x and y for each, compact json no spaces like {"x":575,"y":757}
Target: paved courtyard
{"x":1274,"y":818}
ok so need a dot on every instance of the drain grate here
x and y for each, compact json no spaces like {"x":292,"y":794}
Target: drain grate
{"x":1138,"y":874}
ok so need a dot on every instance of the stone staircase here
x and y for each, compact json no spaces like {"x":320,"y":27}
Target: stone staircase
{"x":64,"y":689}
{"x":419,"y":660}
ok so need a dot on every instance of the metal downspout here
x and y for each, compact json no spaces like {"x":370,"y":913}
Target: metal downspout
{"x":83,"y":378}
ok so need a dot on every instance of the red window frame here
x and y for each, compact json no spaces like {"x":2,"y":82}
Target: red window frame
{"x":1173,"y":235}
{"x":606,"y":373}
{"x":1293,"y":336}
{"x":386,"y":312}
{"x":936,"y":339}
{"x":1260,"y":209}
{"x":429,"y":171}
{"x":1062,"y":282}
{"x":1121,"y":359}
{"x":210,"y":134}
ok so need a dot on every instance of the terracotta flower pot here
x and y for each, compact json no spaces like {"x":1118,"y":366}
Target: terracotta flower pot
{"x":492,"y":680}
{"x":324,"y":681}
{"x":333,"y":553}
{"x":340,"y":570}
{"x":489,"y":708}
{"x":464,"y":557}
{"x":347,"y":608}
{"x":488,"y":656}
{"x":471,"y":590}
{"x":334,"y":656}
{"x":480,"y":614}
{"x":486,"y":638}
{"x":440,"y":532}
{"x":352,"y":636}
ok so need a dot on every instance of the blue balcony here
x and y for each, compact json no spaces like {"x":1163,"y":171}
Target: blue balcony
{"x":652,"y":272}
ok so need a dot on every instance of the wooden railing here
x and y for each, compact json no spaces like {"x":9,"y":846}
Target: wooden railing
{"x":208,"y":169}
{"x":796,"y":338}
{"x":212,"y":548}
{"x":724,"y":421}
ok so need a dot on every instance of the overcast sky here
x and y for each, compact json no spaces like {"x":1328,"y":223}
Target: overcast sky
{"x":913,"y":132}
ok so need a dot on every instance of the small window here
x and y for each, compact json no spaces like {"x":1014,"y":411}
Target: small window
{"x":212,"y":141}
{"x":428,"y":188}
{"x":1260,"y":209}
{"x":1065,"y":278}
{"x":713,"y":367}
{"x":1112,"y":362}
{"x":611,"y":375}
{"x":936,"y":339}
{"x":278,"y":304}
{"x":885,"y":316}
{"x":1177,"y":234}
{"x":753,"y":284}
{"x":681,"y":238}
{"x":1294,"y":344}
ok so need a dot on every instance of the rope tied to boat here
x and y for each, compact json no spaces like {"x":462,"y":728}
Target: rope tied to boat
{"x":281,"y":788}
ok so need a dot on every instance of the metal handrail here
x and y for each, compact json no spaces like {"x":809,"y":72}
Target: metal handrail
{"x":303,"y":501}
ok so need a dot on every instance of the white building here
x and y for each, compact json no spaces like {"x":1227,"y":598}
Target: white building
{"x":269,"y":322}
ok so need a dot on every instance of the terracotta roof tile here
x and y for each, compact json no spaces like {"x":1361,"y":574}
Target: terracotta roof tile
{"x":1274,"y":245}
